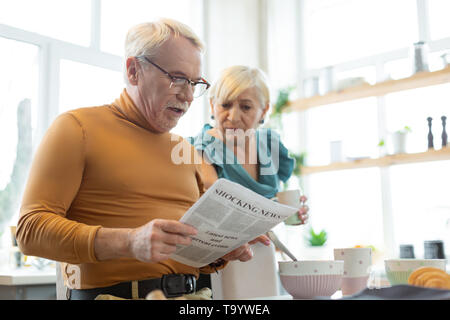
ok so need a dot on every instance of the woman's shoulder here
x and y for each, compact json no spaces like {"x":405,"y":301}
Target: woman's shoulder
{"x":203,"y":139}
{"x":268,"y":136}
{"x":272,"y":152}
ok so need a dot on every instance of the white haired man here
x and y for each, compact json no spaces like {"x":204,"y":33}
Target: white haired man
{"x":103,"y":195}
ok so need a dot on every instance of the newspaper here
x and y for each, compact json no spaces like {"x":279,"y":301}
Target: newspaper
{"x":227,"y":216}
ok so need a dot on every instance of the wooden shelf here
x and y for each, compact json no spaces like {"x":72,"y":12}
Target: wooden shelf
{"x":419,"y":80}
{"x":432,"y":155}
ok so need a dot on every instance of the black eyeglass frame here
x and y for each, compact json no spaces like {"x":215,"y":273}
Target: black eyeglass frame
{"x":173,"y":78}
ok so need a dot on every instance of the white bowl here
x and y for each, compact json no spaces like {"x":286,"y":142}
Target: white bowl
{"x":398,"y":270}
{"x":311,"y":278}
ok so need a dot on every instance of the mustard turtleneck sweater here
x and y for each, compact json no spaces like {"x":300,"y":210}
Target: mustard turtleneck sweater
{"x":103,"y":167}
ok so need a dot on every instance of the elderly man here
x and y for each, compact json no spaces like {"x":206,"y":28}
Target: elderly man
{"x":103,"y":195}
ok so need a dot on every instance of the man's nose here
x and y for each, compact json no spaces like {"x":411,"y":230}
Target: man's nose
{"x":188,"y":94}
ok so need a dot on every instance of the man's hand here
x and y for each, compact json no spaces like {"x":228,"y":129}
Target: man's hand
{"x":157,"y":240}
{"x":152,"y":242}
{"x":244,"y":252}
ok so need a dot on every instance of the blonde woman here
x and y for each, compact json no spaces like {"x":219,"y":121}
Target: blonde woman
{"x":236,"y":148}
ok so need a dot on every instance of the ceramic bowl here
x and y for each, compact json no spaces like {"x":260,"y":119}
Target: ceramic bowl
{"x":398,"y":270}
{"x":311,"y":278}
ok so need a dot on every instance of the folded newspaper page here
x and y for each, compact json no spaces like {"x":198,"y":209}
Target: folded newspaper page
{"x":227,"y":216}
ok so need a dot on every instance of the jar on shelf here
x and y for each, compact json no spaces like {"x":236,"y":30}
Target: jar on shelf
{"x":327,"y":80}
{"x":311,"y":87}
{"x":420,"y":56}
{"x":446,"y":59}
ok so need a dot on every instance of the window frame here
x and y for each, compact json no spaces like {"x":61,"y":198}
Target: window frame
{"x":378,"y":61}
{"x":52,"y":51}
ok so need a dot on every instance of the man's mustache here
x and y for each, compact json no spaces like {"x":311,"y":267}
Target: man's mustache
{"x":182,"y":106}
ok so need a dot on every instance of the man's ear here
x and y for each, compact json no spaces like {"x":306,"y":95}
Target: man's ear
{"x":132,"y":71}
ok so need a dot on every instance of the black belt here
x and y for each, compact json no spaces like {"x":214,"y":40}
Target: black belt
{"x":172,"y":285}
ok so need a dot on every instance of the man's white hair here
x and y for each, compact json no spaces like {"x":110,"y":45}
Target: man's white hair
{"x":146,"y":38}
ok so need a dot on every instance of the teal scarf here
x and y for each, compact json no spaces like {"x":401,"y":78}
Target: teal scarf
{"x":272,"y":169}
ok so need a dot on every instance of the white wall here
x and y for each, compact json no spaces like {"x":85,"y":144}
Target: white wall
{"x":283,"y":42}
{"x":232,"y":34}
{"x":258,"y":33}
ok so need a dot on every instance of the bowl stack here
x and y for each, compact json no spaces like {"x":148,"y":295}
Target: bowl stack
{"x":311,"y":278}
{"x":398,"y":270}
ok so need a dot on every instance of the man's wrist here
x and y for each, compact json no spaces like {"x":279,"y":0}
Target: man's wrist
{"x":112,"y":243}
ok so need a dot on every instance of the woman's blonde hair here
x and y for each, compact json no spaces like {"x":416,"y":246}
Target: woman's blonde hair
{"x":236,"y":79}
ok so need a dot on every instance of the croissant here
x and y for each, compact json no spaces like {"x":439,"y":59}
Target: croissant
{"x":430,"y":277}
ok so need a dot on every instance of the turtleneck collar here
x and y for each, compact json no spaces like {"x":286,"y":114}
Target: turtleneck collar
{"x":125,"y":107}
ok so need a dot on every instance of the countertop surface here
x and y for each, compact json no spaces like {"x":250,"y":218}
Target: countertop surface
{"x":337,"y":295}
{"x":27,"y":276}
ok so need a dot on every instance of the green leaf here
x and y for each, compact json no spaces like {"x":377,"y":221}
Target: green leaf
{"x":282,"y":99}
{"x":316,"y":239}
{"x":406,"y":129}
{"x":299,"y":162}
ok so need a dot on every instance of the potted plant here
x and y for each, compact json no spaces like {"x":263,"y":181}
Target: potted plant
{"x":315,"y":248}
{"x":382,"y":147}
{"x":280,"y":104}
{"x":399,"y":140}
{"x":316,"y":239}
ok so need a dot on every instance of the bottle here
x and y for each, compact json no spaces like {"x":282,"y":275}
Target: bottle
{"x":444,"y":133}
{"x":420,"y":57}
{"x":430,"y":134}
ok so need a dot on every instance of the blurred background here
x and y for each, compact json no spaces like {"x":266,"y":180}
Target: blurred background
{"x":58,"y":55}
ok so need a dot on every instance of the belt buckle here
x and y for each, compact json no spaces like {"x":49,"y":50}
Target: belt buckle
{"x":175,"y":285}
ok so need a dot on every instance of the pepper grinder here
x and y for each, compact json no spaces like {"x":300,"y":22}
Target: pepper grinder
{"x":444,"y":133}
{"x":430,"y":134}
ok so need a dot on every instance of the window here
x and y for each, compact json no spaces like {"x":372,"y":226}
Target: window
{"x":421,"y":204}
{"x":439,"y":22}
{"x":68,"y":20}
{"x":398,"y":69}
{"x":281,"y":29}
{"x":18,"y":89}
{"x":373,"y":39}
{"x":412,"y":108}
{"x":342,"y":30}
{"x":353,"y":123}
{"x":113,"y":32}
{"x":83,"y":85}
{"x":189,"y":125}
{"x":347,"y":204}
{"x":50,"y":64}
{"x":118,"y":16}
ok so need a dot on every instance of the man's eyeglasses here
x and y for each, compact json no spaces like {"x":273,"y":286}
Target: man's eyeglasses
{"x":180,"y":83}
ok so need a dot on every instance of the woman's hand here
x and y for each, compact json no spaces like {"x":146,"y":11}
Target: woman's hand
{"x":245,"y":252}
{"x":303,"y":211}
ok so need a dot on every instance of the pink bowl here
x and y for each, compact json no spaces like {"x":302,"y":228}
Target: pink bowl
{"x":310,"y":286}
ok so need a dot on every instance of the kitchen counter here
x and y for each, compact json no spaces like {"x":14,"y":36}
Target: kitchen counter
{"x":27,"y":276}
{"x":28,"y":284}
{"x":337,"y":295}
